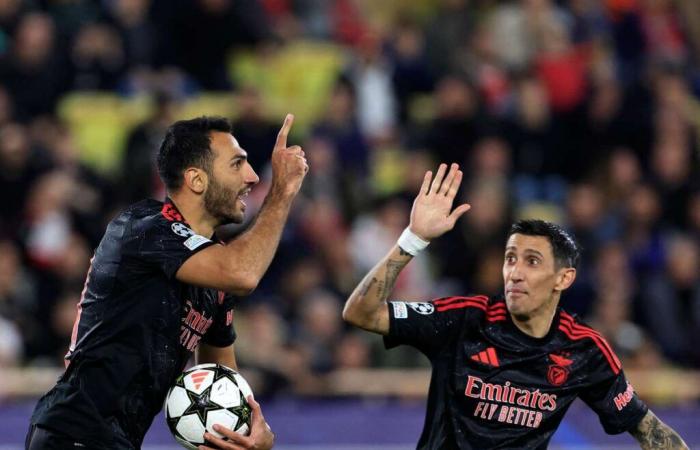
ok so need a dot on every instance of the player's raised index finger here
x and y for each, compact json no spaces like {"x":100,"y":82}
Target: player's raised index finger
{"x":284,"y":131}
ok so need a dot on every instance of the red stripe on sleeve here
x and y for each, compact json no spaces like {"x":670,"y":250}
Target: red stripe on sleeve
{"x":446,"y":300}
{"x":580,"y":329}
{"x":496,"y":318}
{"x":460,"y":305}
{"x":601,"y":343}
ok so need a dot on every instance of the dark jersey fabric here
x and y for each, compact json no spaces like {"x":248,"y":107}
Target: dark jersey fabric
{"x":137,"y":326}
{"x":494,"y":387}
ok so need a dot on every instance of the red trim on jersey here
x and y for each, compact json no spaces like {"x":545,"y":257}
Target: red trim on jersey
{"x":496,"y":318}
{"x":580,"y":327}
{"x":576,"y":331}
{"x":496,"y":312}
{"x":447,"y":300}
{"x":460,"y":305}
{"x":170,"y":212}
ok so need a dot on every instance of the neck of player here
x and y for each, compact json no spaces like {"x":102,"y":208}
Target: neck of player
{"x":194,"y":213}
{"x":539,"y":321}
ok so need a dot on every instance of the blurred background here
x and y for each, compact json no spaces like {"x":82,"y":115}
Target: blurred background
{"x":583,"y":112}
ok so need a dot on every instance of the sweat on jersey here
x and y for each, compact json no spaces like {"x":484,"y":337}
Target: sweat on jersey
{"x":136,"y":328}
{"x":495,"y":387}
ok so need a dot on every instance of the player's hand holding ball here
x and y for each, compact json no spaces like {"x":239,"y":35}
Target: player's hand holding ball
{"x":289,"y":166}
{"x":211,"y":407}
{"x":260,"y":438}
{"x":432,"y":215}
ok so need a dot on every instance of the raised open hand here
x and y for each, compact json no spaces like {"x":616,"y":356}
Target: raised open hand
{"x":432,"y":213}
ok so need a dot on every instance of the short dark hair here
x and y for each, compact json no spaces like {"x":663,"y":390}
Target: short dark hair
{"x":187,"y":143}
{"x":567,"y":252}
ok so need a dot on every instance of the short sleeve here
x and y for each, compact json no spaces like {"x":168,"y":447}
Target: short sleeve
{"x":222,"y":333}
{"x":618,"y":406}
{"x":427,"y":326}
{"x":166,"y":245}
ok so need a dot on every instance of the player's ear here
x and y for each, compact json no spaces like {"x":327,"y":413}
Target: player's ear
{"x":565,"y":278}
{"x":196,"y":179}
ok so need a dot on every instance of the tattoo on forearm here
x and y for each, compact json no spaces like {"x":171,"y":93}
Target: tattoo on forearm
{"x":654,"y":434}
{"x":403,"y":252}
{"x":393,"y":269}
{"x":367,"y":286}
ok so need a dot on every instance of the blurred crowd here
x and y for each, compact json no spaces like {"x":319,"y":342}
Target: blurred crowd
{"x":584,"y":112}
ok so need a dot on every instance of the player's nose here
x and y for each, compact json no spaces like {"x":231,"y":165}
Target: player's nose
{"x":515,"y":274}
{"x":251,"y":176}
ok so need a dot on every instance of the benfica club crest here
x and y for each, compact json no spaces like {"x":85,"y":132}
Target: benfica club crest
{"x":558,"y":373}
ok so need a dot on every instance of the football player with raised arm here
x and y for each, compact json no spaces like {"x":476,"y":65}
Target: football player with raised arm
{"x":161,"y":286}
{"x":505,"y":369}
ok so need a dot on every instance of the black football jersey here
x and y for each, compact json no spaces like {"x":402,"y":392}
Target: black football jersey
{"x":495,"y":387}
{"x":136,"y":328}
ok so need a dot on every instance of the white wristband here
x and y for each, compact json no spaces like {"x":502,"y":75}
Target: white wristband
{"x":411,"y":243}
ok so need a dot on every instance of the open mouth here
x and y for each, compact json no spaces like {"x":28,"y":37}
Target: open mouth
{"x":241,"y":197}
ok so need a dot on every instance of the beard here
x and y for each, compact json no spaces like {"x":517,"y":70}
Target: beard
{"x":221,"y":203}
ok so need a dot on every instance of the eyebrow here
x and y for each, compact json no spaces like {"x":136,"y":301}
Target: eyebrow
{"x":527,"y":250}
{"x":238,"y":156}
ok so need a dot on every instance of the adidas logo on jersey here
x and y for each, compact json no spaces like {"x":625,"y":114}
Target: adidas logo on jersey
{"x":487,"y":357}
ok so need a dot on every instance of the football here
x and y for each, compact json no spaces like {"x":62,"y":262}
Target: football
{"x":205,"y":395}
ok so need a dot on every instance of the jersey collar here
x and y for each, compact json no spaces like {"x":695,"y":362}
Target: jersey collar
{"x":170,"y":212}
{"x":531,"y":339}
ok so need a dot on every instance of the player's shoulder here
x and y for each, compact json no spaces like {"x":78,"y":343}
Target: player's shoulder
{"x":485,"y":303}
{"x":575,"y":330}
{"x":149,"y":215}
{"x":140,"y":221}
{"x":572,"y":324}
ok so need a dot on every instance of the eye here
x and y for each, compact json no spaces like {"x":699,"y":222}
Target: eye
{"x":510,"y":259}
{"x":533,"y":261}
{"x":237,"y":163}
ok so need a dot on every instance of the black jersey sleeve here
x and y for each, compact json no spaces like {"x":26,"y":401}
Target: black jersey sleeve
{"x":165,"y":245}
{"x":613,"y":398}
{"x":222,"y":332}
{"x":427,"y":326}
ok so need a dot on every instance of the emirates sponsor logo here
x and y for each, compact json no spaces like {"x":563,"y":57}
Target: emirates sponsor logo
{"x":513,"y":405}
{"x":194,"y":325}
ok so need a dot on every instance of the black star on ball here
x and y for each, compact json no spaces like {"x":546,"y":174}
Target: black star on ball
{"x":200,"y":404}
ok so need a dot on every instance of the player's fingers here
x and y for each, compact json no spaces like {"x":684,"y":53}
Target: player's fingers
{"x":454,"y":185}
{"x":232,"y":435}
{"x":425,"y":187}
{"x":444,"y":189}
{"x":284,"y":131}
{"x":437,"y":182}
{"x":457,"y":213}
{"x":256,"y":410}
{"x":235,"y":441}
